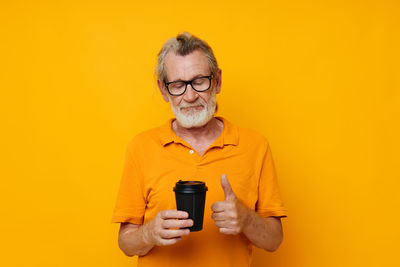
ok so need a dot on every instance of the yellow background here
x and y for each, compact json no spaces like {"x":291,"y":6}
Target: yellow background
{"x":319,"y":78}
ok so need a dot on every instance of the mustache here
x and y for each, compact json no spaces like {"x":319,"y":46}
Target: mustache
{"x":195,"y":104}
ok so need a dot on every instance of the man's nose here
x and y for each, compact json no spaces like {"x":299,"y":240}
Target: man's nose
{"x":190,"y":95}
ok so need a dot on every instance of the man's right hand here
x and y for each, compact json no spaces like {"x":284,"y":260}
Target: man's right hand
{"x":164,"y":230}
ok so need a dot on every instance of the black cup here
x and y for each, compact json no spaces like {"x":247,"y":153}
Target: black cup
{"x":190,"y":197}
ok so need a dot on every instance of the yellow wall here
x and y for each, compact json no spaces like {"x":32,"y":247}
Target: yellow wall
{"x":319,"y":78}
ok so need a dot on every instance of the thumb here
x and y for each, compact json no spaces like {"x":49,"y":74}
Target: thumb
{"x":226,"y":186}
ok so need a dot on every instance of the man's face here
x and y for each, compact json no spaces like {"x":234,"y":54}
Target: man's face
{"x":192,"y":109}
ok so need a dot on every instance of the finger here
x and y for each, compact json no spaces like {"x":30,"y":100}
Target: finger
{"x":218,"y":206}
{"x":227,"y":231}
{"x":226,"y":186}
{"x":218,"y":216}
{"x":168,"y":242}
{"x":173,"y":214}
{"x":172,"y":223}
{"x":221,"y":224}
{"x":168,"y":233}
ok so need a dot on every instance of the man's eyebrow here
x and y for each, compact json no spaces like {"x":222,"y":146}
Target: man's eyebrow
{"x":194,"y":77}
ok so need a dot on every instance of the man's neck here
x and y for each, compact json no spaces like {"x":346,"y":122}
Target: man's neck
{"x":211,"y":130}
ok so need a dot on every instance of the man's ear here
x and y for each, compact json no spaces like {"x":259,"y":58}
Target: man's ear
{"x":163,"y":90}
{"x":218,"y":81}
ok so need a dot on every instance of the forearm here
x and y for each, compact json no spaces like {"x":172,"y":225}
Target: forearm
{"x":265,"y":233}
{"x":134,"y":241}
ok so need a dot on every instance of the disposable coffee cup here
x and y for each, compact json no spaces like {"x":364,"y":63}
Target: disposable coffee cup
{"x":190,"y":197}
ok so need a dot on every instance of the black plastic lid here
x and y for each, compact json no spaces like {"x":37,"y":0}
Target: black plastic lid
{"x":190,"y":187}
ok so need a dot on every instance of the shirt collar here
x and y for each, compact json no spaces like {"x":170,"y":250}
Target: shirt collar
{"x":229,"y":135}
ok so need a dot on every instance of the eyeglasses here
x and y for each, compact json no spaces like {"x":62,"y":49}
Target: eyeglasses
{"x":199,"y":84}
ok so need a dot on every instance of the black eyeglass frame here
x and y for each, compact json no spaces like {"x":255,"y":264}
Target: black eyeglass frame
{"x":189,"y":82}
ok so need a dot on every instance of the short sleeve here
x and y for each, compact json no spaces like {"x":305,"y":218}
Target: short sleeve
{"x":269,"y":201}
{"x":131,"y":204}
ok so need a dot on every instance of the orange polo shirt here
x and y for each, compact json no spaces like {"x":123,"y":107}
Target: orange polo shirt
{"x":156,"y":159}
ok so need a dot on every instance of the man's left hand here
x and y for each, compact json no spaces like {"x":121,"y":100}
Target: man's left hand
{"x":230,"y":215}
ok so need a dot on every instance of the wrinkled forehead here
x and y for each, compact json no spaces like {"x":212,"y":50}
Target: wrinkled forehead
{"x":186,"y":67}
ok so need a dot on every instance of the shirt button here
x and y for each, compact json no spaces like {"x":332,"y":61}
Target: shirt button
{"x":191,"y":151}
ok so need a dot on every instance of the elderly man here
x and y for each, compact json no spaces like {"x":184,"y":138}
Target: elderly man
{"x":243,"y":205}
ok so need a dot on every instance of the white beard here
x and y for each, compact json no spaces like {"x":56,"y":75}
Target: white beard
{"x":195,"y":118}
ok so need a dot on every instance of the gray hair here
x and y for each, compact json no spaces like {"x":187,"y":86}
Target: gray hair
{"x":184,"y":44}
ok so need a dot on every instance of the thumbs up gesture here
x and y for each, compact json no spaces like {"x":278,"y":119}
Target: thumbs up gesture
{"x":230,"y":215}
